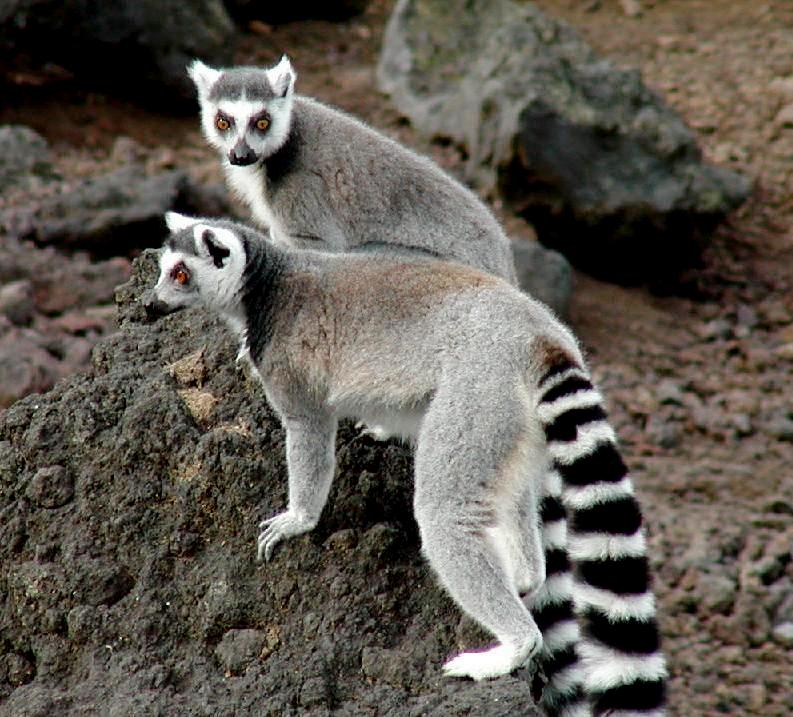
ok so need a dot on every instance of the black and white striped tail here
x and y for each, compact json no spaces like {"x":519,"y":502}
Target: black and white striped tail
{"x":623,"y":669}
{"x":563,"y":693}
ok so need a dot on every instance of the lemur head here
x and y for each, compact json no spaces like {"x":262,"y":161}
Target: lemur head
{"x":202,"y":263}
{"x":245,"y":111}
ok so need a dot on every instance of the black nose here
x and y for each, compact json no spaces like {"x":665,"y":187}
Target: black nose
{"x":156,"y":308}
{"x":242,"y":157}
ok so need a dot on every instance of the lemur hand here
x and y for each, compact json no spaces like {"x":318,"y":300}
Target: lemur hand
{"x":278,"y":528}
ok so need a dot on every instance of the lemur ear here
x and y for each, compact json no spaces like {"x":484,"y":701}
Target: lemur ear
{"x":217,"y":251}
{"x":203,"y":76}
{"x":176,"y":222}
{"x":282,"y":77}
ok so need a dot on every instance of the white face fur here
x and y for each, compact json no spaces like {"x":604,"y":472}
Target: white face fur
{"x":245,"y":129}
{"x":206,"y":271}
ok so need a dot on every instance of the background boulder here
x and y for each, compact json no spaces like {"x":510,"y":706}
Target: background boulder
{"x":139,"y":49}
{"x":599,"y":164}
{"x":274,"y":12}
{"x":129,"y":506}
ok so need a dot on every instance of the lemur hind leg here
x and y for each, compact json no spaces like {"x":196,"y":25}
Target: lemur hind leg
{"x":471,"y":474}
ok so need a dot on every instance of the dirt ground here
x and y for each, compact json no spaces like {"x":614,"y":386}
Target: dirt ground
{"x":699,"y":387}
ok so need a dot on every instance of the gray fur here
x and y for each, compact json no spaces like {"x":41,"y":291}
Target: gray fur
{"x":326,"y":181}
{"x":464,"y":366}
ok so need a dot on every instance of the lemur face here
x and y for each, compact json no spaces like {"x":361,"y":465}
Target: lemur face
{"x":245,"y":111}
{"x":201,"y":264}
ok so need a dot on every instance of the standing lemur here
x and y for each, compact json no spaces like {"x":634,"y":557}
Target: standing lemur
{"x":525,"y":509}
{"x":319,"y":179}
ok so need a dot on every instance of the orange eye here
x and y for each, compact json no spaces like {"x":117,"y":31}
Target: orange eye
{"x":222,"y":124}
{"x":262,"y":124}
{"x":181,"y":276}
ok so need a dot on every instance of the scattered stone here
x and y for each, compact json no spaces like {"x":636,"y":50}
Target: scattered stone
{"x":25,"y":367}
{"x":747,"y":316}
{"x":16,"y":302}
{"x":783,"y":633}
{"x":784,"y":118}
{"x":715,"y":329}
{"x":780,"y":425}
{"x":716,"y":592}
{"x":782,"y":86}
{"x":669,"y":392}
{"x":23,"y":152}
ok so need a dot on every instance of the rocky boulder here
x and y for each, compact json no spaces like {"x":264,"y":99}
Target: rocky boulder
{"x":24,"y":154}
{"x":129,"y":504}
{"x":137,"y":49}
{"x":111,"y":214}
{"x":603,"y":168}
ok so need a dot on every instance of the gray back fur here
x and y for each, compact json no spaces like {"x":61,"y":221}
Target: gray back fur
{"x":332,"y":183}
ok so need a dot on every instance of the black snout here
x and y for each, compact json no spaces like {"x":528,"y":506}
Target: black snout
{"x":155,"y":308}
{"x":242,"y":155}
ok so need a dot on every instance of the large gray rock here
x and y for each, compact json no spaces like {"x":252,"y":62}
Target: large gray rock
{"x":136,"y":48}
{"x":602,"y":167}
{"x":23,"y":152}
{"x":129,"y":505}
{"x":111,"y":214}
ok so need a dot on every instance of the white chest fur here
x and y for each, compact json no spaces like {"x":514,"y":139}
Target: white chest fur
{"x":248,"y":184}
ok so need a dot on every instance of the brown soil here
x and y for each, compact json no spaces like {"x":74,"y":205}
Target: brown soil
{"x":699,"y":390}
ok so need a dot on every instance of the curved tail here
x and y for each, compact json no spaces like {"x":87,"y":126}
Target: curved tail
{"x":602,"y":577}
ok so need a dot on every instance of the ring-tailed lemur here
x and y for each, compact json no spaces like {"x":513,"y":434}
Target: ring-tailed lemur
{"x":319,"y":179}
{"x":519,"y":487}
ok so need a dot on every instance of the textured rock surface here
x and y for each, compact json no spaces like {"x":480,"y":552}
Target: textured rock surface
{"x":128,"y":518}
{"x":22,"y":152}
{"x":604,"y":169}
{"x":111,"y":214}
{"x":129,"y":48}
{"x":544,"y":273}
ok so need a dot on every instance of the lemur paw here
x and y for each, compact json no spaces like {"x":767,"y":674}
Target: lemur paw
{"x":488,"y":664}
{"x":377,"y":432}
{"x":278,"y":528}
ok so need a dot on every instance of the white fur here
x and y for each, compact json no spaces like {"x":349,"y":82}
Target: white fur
{"x":554,"y":535}
{"x":203,"y":76}
{"x":220,"y":286}
{"x":176,"y":222}
{"x":607,"y":668}
{"x":552,"y":483}
{"x":548,"y":384}
{"x":591,"y":495}
{"x":282,"y":77}
{"x":547,"y":412}
{"x":616,"y":607}
{"x":248,"y":184}
{"x":556,"y":589}
{"x":600,"y":546}
{"x":589,"y":437}
{"x":561,"y":635}
{"x":495,"y":662}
